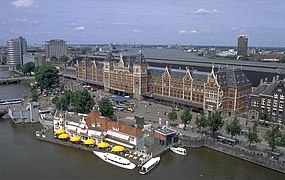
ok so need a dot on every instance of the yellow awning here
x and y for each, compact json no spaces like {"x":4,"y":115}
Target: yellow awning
{"x":89,"y":142}
{"x":63,"y":136}
{"x":59,"y":131}
{"x":117,"y":149}
{"x":103,"y":145}
{"x":75,"y":139}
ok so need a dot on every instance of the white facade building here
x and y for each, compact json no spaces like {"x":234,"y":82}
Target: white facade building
{"x":56,"y":48}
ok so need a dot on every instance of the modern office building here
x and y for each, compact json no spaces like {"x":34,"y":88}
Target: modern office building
{"x":56,"y":48}
{"x":16,"y":48}
{"x":242,"y":45}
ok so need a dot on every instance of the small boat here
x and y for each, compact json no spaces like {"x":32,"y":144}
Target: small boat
{"x":149,"y":165}
{"x":178,"y":150}
{"x":115,"y":160}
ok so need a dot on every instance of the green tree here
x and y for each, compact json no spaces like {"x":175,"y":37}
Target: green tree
{"x":234,"y":128}
{"x":63,"y":102}
{"x":34,"y":94}
{"x":215,"y":122}
{"x":53,"y":58}
{"x":274,"y":137}
{"x":172,"y":116}
{"x":64,"y":58}
{"x":105,"y":107}
{"x":252,"y":135}
{"x":46,"y":75}
{"x":265,"y":116}
{"x":28,"y":68}
{"x":82,"y":101}
{"x":201,"y":122}
{"x":18,"y":66}
{"x":186,"y":117}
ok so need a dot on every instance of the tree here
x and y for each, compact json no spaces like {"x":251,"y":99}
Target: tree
{"x":172,"y":116}
{"x":215,"y":122}
{"x":34,"y":94}
{"x":63,"y":102}
{"x":46,"y":75}
{"x":186,"y":117}
{"x":105,"y":107}
{"x":201,"y":122}
{"x":28,"y":68}
{"x":252,"y":135}
{"x":274,"y":137}
{"x":265,"y":116}
{"x":64,"y":58}
{"x":234,"y":128}
{"x":82,"y":101}
{"x":53,"y":58}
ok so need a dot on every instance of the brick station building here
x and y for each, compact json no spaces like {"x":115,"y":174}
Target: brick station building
{"x":224,"y":91}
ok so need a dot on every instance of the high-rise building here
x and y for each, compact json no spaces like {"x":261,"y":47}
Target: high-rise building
{"x":16,"y":48}
{"x":56,"y":48}
{"x":242,"y":45}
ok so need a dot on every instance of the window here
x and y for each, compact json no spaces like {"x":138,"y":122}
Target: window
{"x":275,"y":96}
{"x":282,"y":96}
{"x":268,"y":102}
{"x":262,"y":101}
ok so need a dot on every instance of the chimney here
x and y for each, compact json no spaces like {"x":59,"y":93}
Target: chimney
{"x":261,"y":81}
{"x":273,"y":79}
{"x":265,"y":80}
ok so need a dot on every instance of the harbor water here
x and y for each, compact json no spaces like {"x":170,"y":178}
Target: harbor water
{"x":24,"y":157}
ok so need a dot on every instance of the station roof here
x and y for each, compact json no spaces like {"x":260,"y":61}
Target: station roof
{"x":118,"y":98}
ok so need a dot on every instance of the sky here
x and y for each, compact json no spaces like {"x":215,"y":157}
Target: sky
{"x":196,"y":22}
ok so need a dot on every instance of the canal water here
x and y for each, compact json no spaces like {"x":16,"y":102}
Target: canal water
{"x":24,"y":157}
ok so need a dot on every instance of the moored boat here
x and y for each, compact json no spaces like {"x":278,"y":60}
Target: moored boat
{"x":178,"y":150}
{"x":115,"y":160}
{"x":149,"y":165}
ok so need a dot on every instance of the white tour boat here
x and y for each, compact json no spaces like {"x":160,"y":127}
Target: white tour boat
{"x":178,"y":150}
{"x":115,"y":160}
{"x":149,"y":165}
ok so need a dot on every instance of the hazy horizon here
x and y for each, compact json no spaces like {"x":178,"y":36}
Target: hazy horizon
{"x":183,"y":22}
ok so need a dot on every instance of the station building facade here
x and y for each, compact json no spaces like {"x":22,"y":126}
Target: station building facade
{"x":268,"y":98}
{"x":225,"y":91}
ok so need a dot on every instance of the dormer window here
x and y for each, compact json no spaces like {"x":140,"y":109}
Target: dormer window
{"x":98,"y":124}
{"x":115,"y":129}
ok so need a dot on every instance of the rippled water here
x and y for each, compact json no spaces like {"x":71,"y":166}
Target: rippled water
{"x":24,"y":157}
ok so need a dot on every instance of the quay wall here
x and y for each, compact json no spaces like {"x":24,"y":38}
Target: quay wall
{"x":256,"y":157}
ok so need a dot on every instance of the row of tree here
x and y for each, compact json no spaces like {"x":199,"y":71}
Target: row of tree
{"x":79,"y":101}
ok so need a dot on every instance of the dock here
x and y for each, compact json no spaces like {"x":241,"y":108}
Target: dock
{"x":48,"y":136}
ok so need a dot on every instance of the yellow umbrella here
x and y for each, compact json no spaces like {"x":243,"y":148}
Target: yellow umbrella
{"x":63,"y":136}
{"x":89,"y":142}
{"x":75,"y":139}
{"x":117,"y":149}
{"x":103,"y":145}
{"x":59,"y":131}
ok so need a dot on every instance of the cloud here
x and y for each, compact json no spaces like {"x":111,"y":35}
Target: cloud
{"x":23,"y":3}
{"x":23,"y":20}
{"x":187,"y":32}
{"x":137,"y":30}
{"x":233,"y":28}
{"x":202,"y":11}
{"x":79,"y":28}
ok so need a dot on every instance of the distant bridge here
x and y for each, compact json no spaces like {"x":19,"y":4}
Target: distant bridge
{"x":13,"y":80}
